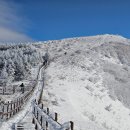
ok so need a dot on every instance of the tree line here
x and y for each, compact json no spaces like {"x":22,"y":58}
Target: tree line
{"x":16,"y":61}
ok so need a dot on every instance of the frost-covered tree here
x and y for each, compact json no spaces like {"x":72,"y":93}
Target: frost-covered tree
{"x":16,"y":61}
{"x":10,"y":71}
{"x":4,"y":73}
{"x":4,"y":76}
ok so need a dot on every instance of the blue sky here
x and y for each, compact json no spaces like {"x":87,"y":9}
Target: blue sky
{"x":57,"y":19}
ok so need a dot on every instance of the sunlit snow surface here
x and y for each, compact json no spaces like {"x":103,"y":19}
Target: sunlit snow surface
{"x":88,"y":81}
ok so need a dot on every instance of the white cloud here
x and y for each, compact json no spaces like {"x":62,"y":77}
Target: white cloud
{"x":12,"y":24}
{"x":7,"y":35}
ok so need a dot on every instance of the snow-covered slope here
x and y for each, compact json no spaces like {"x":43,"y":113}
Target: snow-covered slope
{"x":88,"y":81}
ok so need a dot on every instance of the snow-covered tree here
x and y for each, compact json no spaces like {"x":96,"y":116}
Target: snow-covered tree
{"x":16,"y":61}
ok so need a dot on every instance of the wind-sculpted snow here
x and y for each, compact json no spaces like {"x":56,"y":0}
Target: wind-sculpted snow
{"x":87,"y":81}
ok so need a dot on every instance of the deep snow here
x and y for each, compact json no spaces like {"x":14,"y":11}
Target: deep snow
{"x":87,"y":81}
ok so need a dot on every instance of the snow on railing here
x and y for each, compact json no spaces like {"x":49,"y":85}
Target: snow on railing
{"x":7,"y":91}
{"x":44,"y":120}
{"x":10,"y":108}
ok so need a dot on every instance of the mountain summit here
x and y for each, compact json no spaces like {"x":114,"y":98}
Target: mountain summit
{"x":88,"y":81}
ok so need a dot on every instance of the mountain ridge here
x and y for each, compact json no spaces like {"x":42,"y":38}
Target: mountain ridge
{"x":89,"y":77}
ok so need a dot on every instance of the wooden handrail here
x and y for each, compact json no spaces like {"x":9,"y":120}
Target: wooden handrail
{"x":39,"y":112}
{"x":18,"y":103}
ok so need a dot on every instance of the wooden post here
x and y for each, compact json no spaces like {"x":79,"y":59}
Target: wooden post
{"x":33,"y":121}
{"x":47,"y":111}
{"x":22,"y":101}
{"x":19,"y":103}
{"x":14,"y":108}
{"x":71,"y":125}
{"x":2,"y":112}
{"x":5,"y":89}
{"x":34,"y":110}
{"x":11,"y":109}
{"x":42,"y":106}
{"x":17,"y":106}
{"x":11,"y":105}
{"x":8,"y":106}
{"x":10,"y":114}
{"x":37,"y":115}
{"x":46,"y":125}
{"x":41,"y":121}
{"x":36,"y":127}
{"x":7,"y":109}
{"x":56,"y":117}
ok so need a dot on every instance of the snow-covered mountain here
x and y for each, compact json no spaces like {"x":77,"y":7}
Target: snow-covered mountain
{"x":88,"y":81}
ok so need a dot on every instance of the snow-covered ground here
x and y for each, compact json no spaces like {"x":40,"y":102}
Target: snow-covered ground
{"x":88,"y":81}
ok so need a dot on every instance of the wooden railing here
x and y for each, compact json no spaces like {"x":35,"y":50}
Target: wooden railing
{"x":7,"y":91}
{"x":43,"y":119}
{"x":10,"y":108}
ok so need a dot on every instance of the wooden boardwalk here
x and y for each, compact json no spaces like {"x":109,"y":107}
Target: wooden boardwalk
{"x":41,"y":118}
{"x":46,"y":120}
{"x":10,"y":108}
